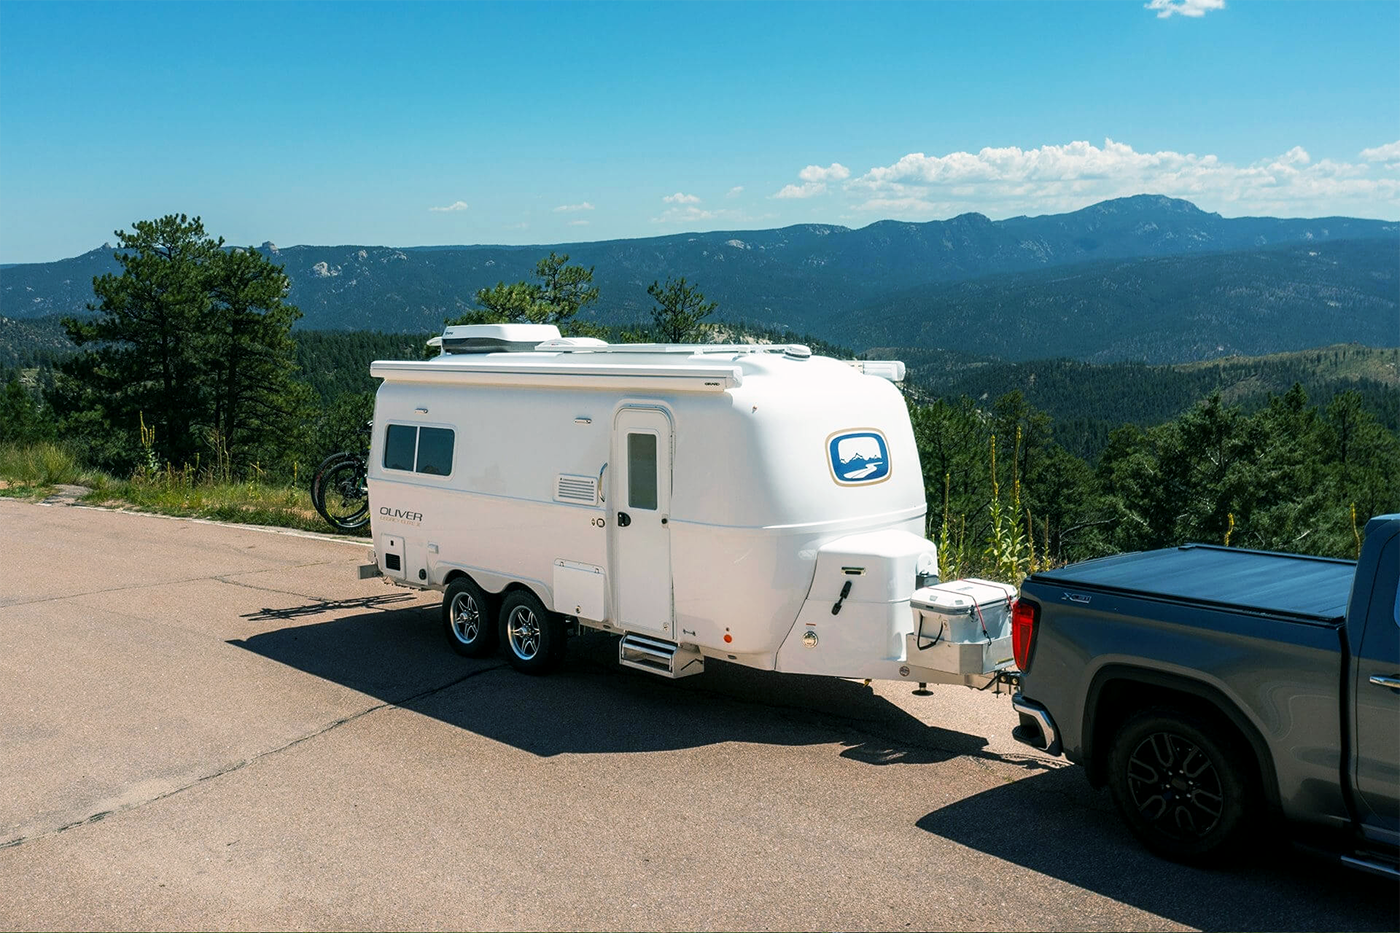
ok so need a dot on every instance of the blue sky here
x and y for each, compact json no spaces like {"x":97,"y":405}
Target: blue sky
{"x":442,"y":123}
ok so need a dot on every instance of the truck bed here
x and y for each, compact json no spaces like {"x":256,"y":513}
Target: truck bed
{"x":1312,"y":589}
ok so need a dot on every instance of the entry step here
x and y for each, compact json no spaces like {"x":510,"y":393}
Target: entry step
{"x":659,"y":656}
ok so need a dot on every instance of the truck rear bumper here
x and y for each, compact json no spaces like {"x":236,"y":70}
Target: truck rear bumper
{"x":1037,"y":728}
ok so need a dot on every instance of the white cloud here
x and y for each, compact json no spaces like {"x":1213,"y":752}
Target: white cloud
{"x":735,"y":191}
{"x":690,"y":214}
{"x":834,"y":172}
{"x":1008,"y":180}
{"x":454,"y":206}
{"x":1387,"y":153}
{"x":814,"y":179}
{"x":1192,"y":8}
{"x":571,"y":208}
{"x":679,"y":198}
{"x":578,"y":223}
{"x":811,"y":189}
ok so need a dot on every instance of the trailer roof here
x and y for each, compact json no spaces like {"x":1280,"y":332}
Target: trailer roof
{"x":1314,"y":588}
{"x":676,"y":367}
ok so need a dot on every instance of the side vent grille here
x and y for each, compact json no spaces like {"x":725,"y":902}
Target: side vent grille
{"x":580,"y":489}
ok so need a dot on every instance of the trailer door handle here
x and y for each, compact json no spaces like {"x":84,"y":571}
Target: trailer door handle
{"x":1382,"y":681}
{"x":623,"y":519}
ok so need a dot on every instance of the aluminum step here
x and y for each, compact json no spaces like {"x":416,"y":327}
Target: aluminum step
{"x":657,"y":656}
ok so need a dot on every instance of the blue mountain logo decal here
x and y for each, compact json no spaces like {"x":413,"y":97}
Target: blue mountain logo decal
{"x":858,"y":457}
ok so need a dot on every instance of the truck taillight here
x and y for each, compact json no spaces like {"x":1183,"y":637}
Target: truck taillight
{"x":1024,"y":615}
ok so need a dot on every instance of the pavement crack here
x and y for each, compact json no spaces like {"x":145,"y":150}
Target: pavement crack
{"x":252,"y":759}
{"x":160,"y":583}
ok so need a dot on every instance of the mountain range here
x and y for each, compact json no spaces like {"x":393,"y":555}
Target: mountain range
{"x":1146,"y":277}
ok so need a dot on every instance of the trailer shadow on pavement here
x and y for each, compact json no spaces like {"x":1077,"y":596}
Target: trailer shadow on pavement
{"x":400,"y":656}
{"x":1056,"y":825}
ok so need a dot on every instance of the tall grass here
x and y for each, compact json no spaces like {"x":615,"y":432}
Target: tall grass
{"x":33,"y":470}
{"x":44,"y":465}
{"x":203,"y":493}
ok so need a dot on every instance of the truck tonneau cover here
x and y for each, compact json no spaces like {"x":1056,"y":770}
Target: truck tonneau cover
{"x":1312,"y":588}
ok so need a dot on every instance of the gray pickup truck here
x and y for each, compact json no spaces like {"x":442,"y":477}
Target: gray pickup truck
{"x":1214,"y":688}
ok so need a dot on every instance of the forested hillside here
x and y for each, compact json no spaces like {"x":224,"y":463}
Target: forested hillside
{"x":801,"y":278}
{"x":1088,"y":401}
{"x":1160,"y":310}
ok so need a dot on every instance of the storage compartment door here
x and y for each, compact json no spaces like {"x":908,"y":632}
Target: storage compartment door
{"x":391,"y":556}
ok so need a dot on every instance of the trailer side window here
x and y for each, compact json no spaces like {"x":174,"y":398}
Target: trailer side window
{"x":435,"y":451}
{"x":399,"y":445}
{"x":420,"y":450}
{"x":641,"y":471}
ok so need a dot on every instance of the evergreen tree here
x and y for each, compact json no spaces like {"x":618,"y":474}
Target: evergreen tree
{"x":192,"y":341}
{"x":23,"y":417}
{"x":561,"y":292}
{"x":255,"y":405}
{"x":679,"y":311}
{"x":145,"y":359}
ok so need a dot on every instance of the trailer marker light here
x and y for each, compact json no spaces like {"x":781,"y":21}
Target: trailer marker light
{"x":728,"y":638}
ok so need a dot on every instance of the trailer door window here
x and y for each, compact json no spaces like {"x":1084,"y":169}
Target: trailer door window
{"x":399,"y":446}
{"x":641,"y":471}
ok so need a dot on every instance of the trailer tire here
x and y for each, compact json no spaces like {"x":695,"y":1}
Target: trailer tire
{"x":1180,"y":785}
{"x":466,"y":619}
{"x":534,"y":637}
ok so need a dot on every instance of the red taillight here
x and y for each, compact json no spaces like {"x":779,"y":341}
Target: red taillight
{"x":1023,"y":618}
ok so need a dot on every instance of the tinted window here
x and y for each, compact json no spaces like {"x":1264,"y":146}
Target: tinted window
{"x":398,"y":447}
{"x":435,"y":451}
{"x":641,"y":471}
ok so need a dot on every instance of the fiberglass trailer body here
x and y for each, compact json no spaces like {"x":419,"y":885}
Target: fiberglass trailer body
{"x":756,"y":504}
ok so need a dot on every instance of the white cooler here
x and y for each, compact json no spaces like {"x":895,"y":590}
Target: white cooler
{"x":962,"y":627}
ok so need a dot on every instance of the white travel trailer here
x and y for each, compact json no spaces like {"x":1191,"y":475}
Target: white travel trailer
{"x":751,"y":503}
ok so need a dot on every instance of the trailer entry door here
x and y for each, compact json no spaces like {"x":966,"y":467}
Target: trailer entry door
{"x":639,"y":506}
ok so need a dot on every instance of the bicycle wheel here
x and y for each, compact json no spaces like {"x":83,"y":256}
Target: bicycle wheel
{"x":339,"y":492}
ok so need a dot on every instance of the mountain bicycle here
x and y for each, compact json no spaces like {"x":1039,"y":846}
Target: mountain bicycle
{"x":339,"y":488}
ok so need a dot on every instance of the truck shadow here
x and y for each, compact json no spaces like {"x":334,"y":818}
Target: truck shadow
{"x":400,"y":656}
{"x":1054,"y":824}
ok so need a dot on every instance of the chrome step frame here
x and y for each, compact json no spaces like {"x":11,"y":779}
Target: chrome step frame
{"x":658,"y":656}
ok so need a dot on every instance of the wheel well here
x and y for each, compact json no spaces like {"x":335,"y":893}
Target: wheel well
{"x":1115,"y":698}
{"x":493,"y":599}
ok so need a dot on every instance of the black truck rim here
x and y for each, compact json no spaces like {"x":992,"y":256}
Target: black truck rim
{"x":1175,"y":786}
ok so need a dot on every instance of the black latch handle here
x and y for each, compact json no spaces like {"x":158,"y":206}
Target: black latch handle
{"x":845,"y":591}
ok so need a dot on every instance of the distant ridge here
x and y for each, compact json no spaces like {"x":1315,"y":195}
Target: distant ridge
{"x":814,"y":278}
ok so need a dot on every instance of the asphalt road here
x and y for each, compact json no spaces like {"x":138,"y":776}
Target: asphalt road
{"x":219,"y":727}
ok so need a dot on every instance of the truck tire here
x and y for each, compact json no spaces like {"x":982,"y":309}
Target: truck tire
{"x":1180,"y":784}
{"x":534,"y":637}
{"x":466,"y":619}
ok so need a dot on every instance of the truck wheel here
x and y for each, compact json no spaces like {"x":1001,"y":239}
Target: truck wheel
{"x":1179,"y":785}
{"x":466,"y":619}
{"x":533,"y":635}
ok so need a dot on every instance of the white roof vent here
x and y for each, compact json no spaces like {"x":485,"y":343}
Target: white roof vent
{"x":496,"y":338}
